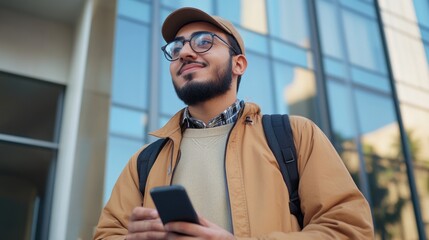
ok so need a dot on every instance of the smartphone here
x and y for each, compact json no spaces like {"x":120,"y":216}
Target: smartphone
{"x":173,"y":204}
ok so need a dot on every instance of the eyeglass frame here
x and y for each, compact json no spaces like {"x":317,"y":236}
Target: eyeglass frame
{"x":195,"y":34}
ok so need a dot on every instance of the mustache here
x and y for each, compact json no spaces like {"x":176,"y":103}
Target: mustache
{"x":189,"y":62}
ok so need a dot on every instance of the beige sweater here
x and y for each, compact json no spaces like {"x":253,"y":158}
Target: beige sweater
{"x":201,"y":171}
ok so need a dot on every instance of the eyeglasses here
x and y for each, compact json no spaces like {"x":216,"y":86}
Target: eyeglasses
{"x":200,"y":42}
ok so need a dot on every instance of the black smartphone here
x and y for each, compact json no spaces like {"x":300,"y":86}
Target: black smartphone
{"x":173,"y":204}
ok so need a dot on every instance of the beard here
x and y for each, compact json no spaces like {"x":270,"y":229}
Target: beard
{"x":193,"y":92}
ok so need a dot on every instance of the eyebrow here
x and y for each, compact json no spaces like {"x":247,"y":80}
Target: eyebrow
{"x":193,"y":34}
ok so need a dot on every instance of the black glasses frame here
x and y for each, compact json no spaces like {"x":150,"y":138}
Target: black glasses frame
{"x":183,"y":41}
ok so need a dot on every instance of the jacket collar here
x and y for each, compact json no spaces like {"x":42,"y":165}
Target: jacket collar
{"x":173,"y":127}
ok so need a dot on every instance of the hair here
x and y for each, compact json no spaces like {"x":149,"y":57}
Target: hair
{"x":234,"y":44}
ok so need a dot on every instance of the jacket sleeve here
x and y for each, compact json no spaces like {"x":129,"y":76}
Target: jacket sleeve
{"x":332,"y":205}
{"x":125,"y":197}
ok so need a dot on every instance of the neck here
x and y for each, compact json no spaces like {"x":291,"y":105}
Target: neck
{"x":207,"y":110}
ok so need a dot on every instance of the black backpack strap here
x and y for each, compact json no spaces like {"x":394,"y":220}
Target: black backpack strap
{"x":280,"y":139}
{"x":146,"y":159}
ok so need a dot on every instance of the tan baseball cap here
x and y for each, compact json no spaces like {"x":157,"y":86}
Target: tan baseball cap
{"x":182,"y":16}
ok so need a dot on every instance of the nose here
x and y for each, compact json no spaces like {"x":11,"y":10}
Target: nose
{"x":187,"y":52}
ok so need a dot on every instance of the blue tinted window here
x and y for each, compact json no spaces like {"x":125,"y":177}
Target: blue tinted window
{"x":288,"y":20}
{"x":329,"y":29}
{"x":247,"y":14}
{"x":205,"y":5}
{"x":335,"y":68}
{"x":343,"y":124}
{"x":254,"y":41}
{"x":131,"y":61}
{"x":363,"y":42}
{"x":295,"y":90}
{"x":127,"y":122}
{"x":119,"y":152}
{"x":427,"y":54}
{"x":371,"y":80}
{"x":422,"y":11}
{"x":170,"y":103}
{"x":230,"y":10}
{"x":256,"y":83}
{"x":425,"y":34}
{"x":362,"y":7}
{"x":134,"y":9}
{"x":375,"y":112}
{"x":291,"y":54}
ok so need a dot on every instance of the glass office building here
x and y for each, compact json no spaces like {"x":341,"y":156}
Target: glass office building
{"x":358,"y":68}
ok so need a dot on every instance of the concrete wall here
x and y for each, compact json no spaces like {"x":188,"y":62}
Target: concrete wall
{"x":35,"y":47}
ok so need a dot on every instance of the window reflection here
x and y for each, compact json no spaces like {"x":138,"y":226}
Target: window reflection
{"x":295,"y":90}
{"x":292,"y":54}
{"x":329,"y":29}
{"x":127,"y":122}
{"x":119,"y":152}
{"x":205,"y":5}
{"x":415,"y":122}
{"x":390,"y":194}
{"x":386,"y":169}
{"x":342,"y":117}
{"x":422,"y":12}
{"x":363,"y":42}
{"x":169,"y":101}
{"x":256,"y":83}
{"x":131,"y":61}
{"x":289,"y":21}
{"x":135,"y":9}
{"x":249,"y":14}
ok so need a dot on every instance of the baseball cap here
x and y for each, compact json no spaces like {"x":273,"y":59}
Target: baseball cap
{"x":182,"y":16}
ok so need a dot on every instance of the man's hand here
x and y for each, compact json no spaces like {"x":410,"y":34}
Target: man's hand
{"x":207,"y":230}
{"x":145,"y":224}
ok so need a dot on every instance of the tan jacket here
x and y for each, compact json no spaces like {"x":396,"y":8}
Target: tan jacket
{"x":332,"y":205}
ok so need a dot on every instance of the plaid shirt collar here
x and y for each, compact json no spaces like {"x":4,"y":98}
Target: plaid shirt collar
{"x":230,"y":115}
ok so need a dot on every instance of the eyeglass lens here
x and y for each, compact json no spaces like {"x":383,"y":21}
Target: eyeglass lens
{"x":199,"y":43}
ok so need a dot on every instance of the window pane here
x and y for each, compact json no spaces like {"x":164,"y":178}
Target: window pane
{"x":295,"y":90}
{"x":131,"y":61}
{"x":128,"y":122}
{"x":254,"y":41}
{"x":343,"y":123}
{"x":422,"y":12}
{"x":120,"y":151}
{"x":361,"y":7}
{"x":30,"y":108}
{"x":335,"y":68}
{"x":292,"y":54}
{"x":289,"y":21}
{"x":370,"y":79}
{"x":135,"y":9}
{"x":169,"y":101}
{"x":248,"y":14}
{"x":205,"y":5}
{"x":329,"y":29}
{"x":363,"y":42}
{"x":385,"y":165}
{"x":256,"y":83}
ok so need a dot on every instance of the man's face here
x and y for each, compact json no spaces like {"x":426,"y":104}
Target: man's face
{"x":198,"y":77}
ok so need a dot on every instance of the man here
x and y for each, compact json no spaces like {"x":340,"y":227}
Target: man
{"x":218,"y":152}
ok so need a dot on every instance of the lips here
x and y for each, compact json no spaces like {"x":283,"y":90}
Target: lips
{"x":190,"y":66}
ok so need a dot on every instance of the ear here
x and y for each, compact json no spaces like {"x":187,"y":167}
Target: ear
{"x":239,"y":64}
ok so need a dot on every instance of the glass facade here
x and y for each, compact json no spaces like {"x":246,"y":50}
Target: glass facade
{"x":302,"y":54}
